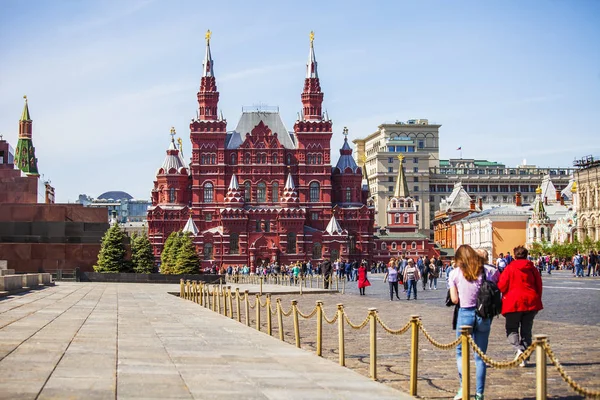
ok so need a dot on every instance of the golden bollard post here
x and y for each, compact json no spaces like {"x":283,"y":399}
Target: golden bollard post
{"x":230,"y":305}
{"x":258,"y":312}
{"x":343,"y":285}
{"x":225,"y":305}
{"x":261,"y":283}
{"x":239,"y":305}
{"x":215,"y":298}
{"x":201,"y":293}
{"x":310,"y":278}
{"x":221,"y":297}
{"x":187,"y":289}
{"x":540,"y":367}
{"x":195,"y":291}
{"x":337,"y":283}
{"x":246,"y":292}
{"x":319,"y":328}
{"x":280,"y":320}
{"x":342,"y":348}
{"x":414,"y":353}
{"x":300,"y":286}
{"x":373,"y":340}
{"x":296,"y":324}
{"x":269,"y":321}
{"x":465,"y":332}
{"x":181,"y":288}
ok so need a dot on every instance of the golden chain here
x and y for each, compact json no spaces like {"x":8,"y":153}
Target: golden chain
{"x":253,"y":306}
{"x":261,"y":304}
{"x":330,"y":321}
{"x":501,"y":364}
{"x":435,"y":343}
{"x":392,"y":331}
{"x":307,"y":316}
{"x":364,"y":323}
{"x":579,"y":389}
{"x":286,"y":314}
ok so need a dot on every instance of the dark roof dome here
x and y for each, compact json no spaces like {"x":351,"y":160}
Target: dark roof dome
{"x":115,"y":195}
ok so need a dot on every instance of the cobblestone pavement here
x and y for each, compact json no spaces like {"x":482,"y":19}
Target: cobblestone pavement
{"x":577,"y":345}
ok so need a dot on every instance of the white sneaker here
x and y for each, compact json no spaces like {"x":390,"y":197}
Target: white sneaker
{"x":524,"y":362}
{"x":458,"y":395}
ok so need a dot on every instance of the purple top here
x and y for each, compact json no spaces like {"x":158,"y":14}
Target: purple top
{"x":467,"y":291}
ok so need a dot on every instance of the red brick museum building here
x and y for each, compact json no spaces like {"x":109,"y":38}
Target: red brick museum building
{"x":260,"y":193}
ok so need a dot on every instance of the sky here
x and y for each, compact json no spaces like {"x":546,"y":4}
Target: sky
{"x":106,"y":80}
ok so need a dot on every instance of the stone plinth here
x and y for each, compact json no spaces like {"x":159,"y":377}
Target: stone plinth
{"x":45,"y":279}
{"x":3,"y":264}
{"x":30,"y":280}
{"x":9,"y":283}
{"x":7,"y":272}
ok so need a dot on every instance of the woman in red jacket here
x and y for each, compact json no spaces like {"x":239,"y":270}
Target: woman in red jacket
{"x":521,"y":287}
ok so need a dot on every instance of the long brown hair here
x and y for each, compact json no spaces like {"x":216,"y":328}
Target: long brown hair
{"x":469,"y":262}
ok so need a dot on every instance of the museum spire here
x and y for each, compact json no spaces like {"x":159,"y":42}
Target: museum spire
{"x":312,"y":97}
{"x":208,"y":96}
{"x":25,"y":153}
{"x":401,"y":189}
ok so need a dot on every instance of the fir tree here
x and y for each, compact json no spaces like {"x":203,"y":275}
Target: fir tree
{"x":112,"y":251}
{"x":187,"y":257}
{"x":168,"y":256}
{"x":141,"y":254}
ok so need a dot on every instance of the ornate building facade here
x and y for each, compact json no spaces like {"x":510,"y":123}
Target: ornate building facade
{"x":260,"y":193}
{"x":586,"y":195}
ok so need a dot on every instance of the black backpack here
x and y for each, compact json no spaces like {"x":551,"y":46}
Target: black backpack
{"x":489,"y":299}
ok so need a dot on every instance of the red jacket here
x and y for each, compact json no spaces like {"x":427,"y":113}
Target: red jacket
{"x":521,"y":287}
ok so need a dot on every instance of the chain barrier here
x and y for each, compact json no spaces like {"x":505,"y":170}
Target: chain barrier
{"x":286,"y":314}
{"x":252,"y":307}
{"x":390,"y":330}
{"x":332,"y":320}
{"x":353,"y":326}
{"x":307,"y":316}
{"x":502,"y":364}
{"x":261,"y":303}
{"x":576,"y":387}
{"x":434,"y":342}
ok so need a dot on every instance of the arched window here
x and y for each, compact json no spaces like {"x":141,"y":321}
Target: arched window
{"x":352,"y":244}
{"x":275,"y":192}
{"x":234,"y":243}
{"x":348,"y":195}
{"x":383,"y":246}
{"x":213,"y":159}
{"x":291,"y":243}
{"x":247,"y":158}
{"x":172,"y":195}
{"x":274,"y":158}
{"x":315,"y":192}
{"x":406,"y":218}
{"x":394,"y":246}
{"x":233,"y":159}
{"x":403,"y":245}
{"x":542,"y":237}
{"x":247,"y":191}
{"x":288,"y":160}
{"x":202,"y":159}
{"x":397,"y":218}
{"x":335,"y":254}
{"x":309,"y":159}
{"x":534,"y":234}
{"x":317,"y":251}
{"x":261,"y":192}
{"x":208,"y":251}
{"x":208,"y":192}
{"x":413,"y":245}
{"x":319,"y":159}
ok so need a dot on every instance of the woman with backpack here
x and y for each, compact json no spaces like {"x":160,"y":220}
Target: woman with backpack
{"x":465,"y":281}
{"x":521,"y":287}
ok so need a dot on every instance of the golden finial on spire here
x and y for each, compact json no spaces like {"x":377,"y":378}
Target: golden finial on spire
{"x":538,"y":190}
{"x":345,"y":131}
{"x":364,"y":158}
{"x":180,"y":143}
{"x":400,"y":157}
{"x":312,"y":37}
{"x":172,"y":133}
{"x":25,"y":97}
{"x":208,"y":35}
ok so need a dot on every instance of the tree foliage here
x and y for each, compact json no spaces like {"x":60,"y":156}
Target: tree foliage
{"x":187,"y":261}
{"x":111,"y":257}
{"x":142,"y":257}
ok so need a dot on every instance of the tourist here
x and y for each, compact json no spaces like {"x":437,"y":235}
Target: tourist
{"x":392,"y":277}
{"x":411,"y":277}
{"x":348,"y":271}
{"x":424,"y":271}
{"x":434,"y":274}
{"x":500,"y":262}
{"x":465,"y":281}
{"x":521,"y":287}
{"x":363,"y":281}
{"x":592,"y":261}
{"x":578,"y":265}
{"x":326,"y":270}
{"x":447,"y":271}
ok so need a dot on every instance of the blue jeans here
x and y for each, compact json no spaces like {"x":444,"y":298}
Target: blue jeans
{"x":480,"y":334}
{"x":579,"y":270}
{"x":412,"y":286}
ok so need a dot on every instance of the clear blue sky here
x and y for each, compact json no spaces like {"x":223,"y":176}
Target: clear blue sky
{"x":106,"y":80}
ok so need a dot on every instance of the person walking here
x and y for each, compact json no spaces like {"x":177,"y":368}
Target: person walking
{"x":578,"y":265}
{"x":434,"y":274}
{"x":521,"y":287}
{"x":326,"y":270}
{"x":465,"y":281}
{"x":411,"y":277}
{"x":424,"y":271}
{"x":592,"y":260}
{"x":363,"y":281}
{"x":392,"y":277}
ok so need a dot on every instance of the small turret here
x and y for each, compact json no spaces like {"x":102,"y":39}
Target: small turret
{"x":25,"y":158}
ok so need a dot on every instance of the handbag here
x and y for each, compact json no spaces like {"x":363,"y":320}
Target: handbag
{"x":449,"y":302}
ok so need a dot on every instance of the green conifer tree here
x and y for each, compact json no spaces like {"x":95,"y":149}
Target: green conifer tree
{"x":168,"y":257}
{"x":141,"y":254}
{"x":111,"y":257}
{"x":187,"y":257}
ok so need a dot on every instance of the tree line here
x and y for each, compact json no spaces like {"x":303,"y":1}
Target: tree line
{"x":564,"y":250}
